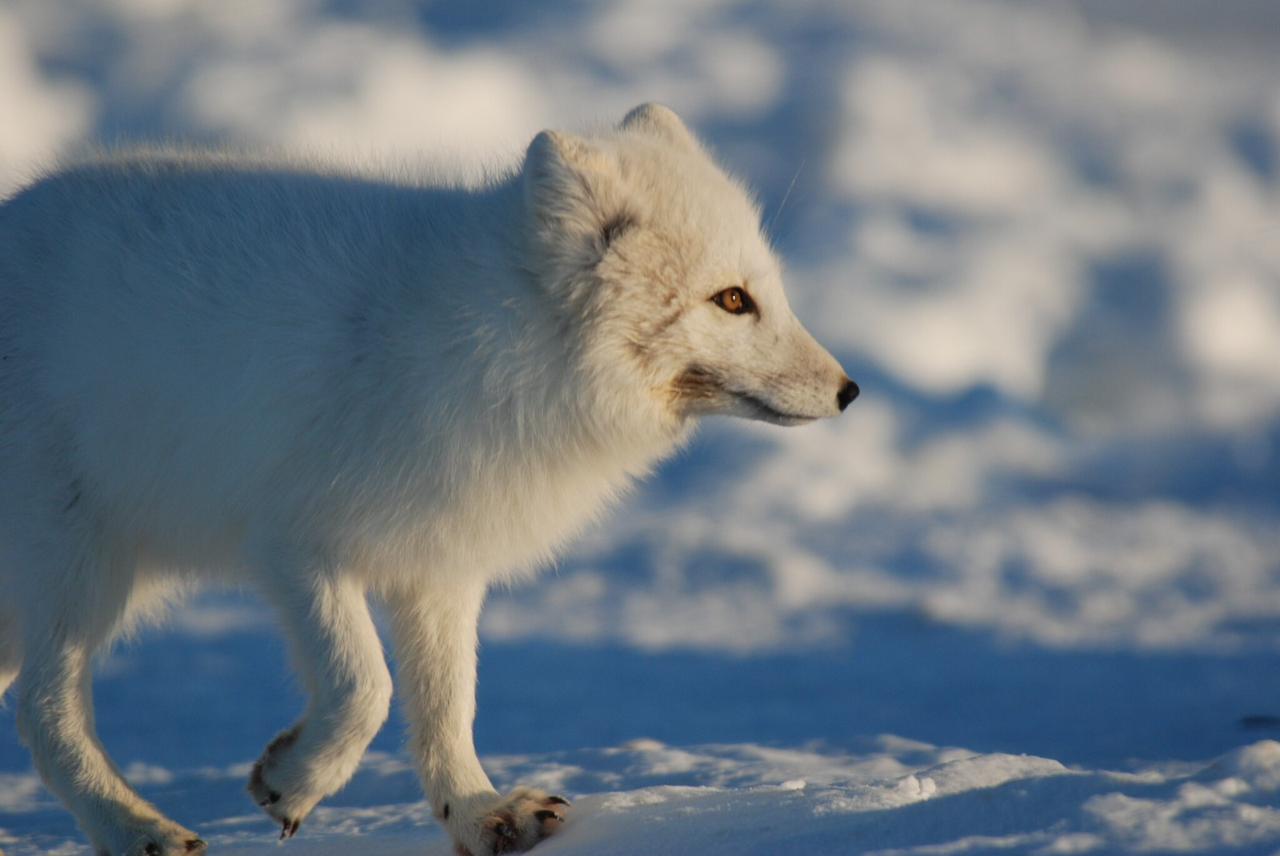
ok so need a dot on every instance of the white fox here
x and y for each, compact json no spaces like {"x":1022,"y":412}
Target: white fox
{"x":330,"y":386}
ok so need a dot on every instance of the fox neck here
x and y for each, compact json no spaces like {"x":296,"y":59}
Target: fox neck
{"x":490,"y":409}
{"x":529,"y":394}
{"x":550,"y":357}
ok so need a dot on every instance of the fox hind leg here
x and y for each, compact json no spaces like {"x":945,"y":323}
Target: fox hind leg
{"x":76,"y":613}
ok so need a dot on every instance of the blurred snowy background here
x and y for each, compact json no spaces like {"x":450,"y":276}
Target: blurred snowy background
{"x":1044,"y":238}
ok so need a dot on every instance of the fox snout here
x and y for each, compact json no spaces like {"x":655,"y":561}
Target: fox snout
{"x":801,"y":391}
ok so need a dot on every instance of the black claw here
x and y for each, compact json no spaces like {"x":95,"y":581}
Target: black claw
{"x":284,"y":830}
{"x":557,"y":800}
{"x":273,"y":796}
{"x":545,"y":814}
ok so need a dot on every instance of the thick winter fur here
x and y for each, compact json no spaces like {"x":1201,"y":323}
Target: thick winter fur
{"x":330,"y":386}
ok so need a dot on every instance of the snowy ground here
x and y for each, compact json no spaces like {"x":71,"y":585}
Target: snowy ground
{"x":1023,"y":597}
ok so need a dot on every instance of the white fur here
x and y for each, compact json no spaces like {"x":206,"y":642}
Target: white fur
{"x":328,"y":385}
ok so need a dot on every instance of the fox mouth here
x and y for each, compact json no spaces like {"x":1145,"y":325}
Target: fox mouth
{"x":706,"y":391}
{"x":767,"y":413}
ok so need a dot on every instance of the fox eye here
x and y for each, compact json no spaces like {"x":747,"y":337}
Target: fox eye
{"x":734,"y":300}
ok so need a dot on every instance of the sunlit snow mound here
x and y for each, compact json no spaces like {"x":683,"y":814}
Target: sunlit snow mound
{"x":895,"y":797}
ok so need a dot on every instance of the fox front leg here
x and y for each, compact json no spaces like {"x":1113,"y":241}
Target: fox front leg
{"x":339,"y":658}
{"x":435,"y":639}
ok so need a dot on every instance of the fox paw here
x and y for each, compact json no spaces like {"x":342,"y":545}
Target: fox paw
{"x":515,"y":823}
{"x":267,"y":785}
{"x":184,"y":848}
{"x":166,"y":839}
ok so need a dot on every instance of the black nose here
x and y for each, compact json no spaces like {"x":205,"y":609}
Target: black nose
{"x":847,"y":393}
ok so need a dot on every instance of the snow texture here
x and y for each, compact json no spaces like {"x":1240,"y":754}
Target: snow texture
{"x":1024,"y":597}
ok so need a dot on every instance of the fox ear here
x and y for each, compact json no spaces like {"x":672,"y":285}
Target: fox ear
{"x":564,"y":177}
{"x":574,"y":195}
{"x":662,"y":122}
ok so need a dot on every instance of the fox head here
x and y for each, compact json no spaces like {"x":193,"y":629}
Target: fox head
{"x":661,"y":256}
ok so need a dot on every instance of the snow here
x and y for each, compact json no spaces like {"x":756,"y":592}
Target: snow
{"x":895,"y":797}
{"x":1023,"y":597}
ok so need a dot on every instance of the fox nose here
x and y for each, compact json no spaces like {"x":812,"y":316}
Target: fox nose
{"x":847,"y":393}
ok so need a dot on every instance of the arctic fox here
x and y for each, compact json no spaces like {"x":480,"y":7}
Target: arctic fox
{"x":329,"y":386}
